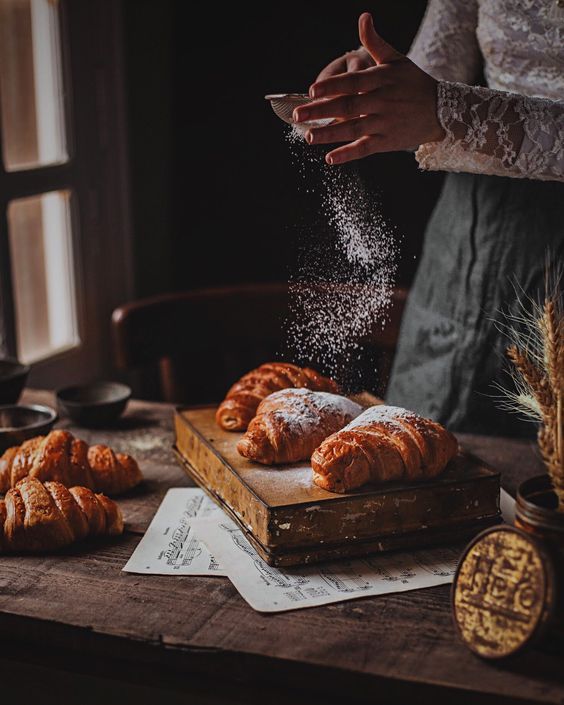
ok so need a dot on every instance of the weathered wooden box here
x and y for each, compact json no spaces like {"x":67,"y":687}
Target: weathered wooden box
{"x":291,"y":521}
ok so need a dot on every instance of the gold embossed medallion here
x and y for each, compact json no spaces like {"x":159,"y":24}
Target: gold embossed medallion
{"x":503,"y":592}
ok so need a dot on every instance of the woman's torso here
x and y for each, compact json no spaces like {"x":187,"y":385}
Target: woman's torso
{"x":522,"y":44}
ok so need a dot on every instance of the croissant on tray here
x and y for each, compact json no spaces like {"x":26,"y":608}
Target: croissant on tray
{"x":61,"y":457}
{"x":240,"y":405}
{"x":291,"y":423}
{"x":36,"y":516}
{"x":385,"y":443}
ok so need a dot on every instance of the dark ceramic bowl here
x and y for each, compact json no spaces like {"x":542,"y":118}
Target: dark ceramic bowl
{"x":94,"y":405}
{"x":18,"y":423}
{"x":12,"y":380}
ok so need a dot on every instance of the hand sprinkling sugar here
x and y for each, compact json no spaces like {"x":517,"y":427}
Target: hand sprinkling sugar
{"x":387,"y":106}
{"x":342,"y":291}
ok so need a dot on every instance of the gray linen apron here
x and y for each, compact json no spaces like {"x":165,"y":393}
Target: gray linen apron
{"x":485,"y":234}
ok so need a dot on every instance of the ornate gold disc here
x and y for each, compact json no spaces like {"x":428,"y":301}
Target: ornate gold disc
{"x":502,"y":592}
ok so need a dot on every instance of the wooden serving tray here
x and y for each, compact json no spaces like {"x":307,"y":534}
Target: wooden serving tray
{"x":292,"y":521}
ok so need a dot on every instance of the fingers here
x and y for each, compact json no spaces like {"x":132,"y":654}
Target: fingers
{"x":354,"y":60}
{"x":343,"y":106}
{"x":346,"y":131}
{"x":336,"y":66}
{"x":350,"y":83}
{"x":379,"y":50}
{"x":362,"y":147}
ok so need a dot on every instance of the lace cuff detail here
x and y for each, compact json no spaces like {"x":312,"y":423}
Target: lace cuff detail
{"x":493,"y":132}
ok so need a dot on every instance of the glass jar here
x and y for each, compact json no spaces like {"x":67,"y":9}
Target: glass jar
{"x":536,"y":512}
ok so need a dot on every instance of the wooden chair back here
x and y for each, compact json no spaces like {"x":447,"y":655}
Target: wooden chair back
{"x":189,"y":347}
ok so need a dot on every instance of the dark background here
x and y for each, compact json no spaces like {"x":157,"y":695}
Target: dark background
{"x":216,"y":198}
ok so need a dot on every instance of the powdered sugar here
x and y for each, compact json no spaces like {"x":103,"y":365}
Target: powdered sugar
{"x":342,"y":287}
{"x":291,"y":423}
{"x":380,"y":414}
{"x":295,"y":135}
{"x":304,"y":413}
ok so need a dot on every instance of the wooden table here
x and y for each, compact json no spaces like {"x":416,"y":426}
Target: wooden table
{"x":75,"y":628}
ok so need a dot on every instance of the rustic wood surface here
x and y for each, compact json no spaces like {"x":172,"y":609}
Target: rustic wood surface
{"x":77,"y":612}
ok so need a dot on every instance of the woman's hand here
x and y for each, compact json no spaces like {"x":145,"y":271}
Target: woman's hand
{"x":390,"y":106}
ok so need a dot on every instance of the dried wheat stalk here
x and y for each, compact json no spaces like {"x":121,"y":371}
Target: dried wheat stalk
{"x":538,"y":360}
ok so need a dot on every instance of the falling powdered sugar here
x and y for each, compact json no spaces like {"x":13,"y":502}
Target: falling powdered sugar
{"x":295,"y":135}
{"x":342,"y":289}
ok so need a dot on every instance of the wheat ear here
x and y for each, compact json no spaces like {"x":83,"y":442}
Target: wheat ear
{"x":550,"y":437}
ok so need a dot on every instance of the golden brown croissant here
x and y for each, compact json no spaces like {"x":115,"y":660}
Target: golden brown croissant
{"x":384,"y":443}
{"x":36,"y":516}
{"x":113,"y":473}
{"x":242,"y":400}
{"x":61,"y":457}
{"x":291,"y":423}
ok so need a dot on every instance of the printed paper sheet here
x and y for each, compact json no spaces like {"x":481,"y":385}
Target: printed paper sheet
{"x":190,"y":535}
{"x":170,"y":546}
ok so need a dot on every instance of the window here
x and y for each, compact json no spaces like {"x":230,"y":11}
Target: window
{"x":63,"y":186}
{"x":33,"y":124}
{"x":41,"y":253}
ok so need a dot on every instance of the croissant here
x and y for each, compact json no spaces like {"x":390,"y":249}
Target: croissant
{"x":242,"y":400}
{"x":61,"y":457}
{"x":36,"y":516}
{"x":291,"y":423}
{"x":113,"y":473}
{"x":384,"y":443}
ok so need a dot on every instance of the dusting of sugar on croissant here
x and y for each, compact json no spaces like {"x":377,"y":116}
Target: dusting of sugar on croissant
{"x":384,"y":443}
{"x":300,"y":408}
{"x":291,"y":423}
{"x":382,"y":412}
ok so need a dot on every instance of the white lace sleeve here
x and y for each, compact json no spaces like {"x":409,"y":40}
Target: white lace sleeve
{"x":446,"y":46}
{"x":494,"y":132}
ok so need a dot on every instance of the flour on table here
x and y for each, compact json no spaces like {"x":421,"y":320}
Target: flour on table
{"x":144,"y":443}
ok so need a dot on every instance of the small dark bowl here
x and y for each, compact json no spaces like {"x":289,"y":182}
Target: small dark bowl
{"x":12,"y":380}
{"x":18,"y":423}
{"x":94,"y":405}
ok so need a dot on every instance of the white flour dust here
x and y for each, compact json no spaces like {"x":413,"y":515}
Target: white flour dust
{"x":342,"y":288}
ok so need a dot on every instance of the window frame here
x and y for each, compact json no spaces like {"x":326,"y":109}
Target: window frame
{"x":96,"y":174}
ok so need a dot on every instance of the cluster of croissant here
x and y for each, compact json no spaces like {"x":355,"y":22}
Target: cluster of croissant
{"x":56,"y":487}
{"x":292,"y":414}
